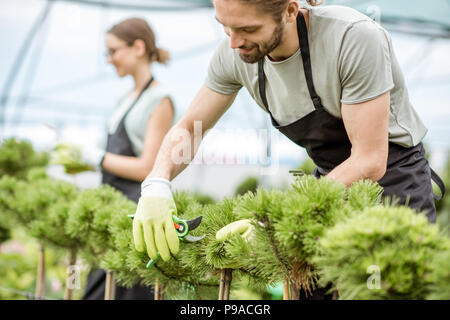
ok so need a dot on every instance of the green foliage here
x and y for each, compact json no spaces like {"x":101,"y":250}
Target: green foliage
{"x":263,"y":257}
{"x":307,"y":167}
{"x":18,"y":268}
{"x":318,"y":230}
{"x":5,"y":233}
{"x":17,"y":205}
{"x":90,"y":216}
{"x":314,"y":205}
{"x":248,"y":185}
{"x":398,"y":241}
{"x":18,"y":157}
{"x":289,"y":225}
{"x":16,"y":273}
{"x":203,"y":198}
{"x":439,"y":277}
{"x":182,"y":276}
{"x":443,"y":206}
{"x":37,"y":173}
{"x":7,"y":196}
{"x":50,"y":225}
{"x":364,"y":194}
{"x":41,"y":205}
{"x":70,"y":157}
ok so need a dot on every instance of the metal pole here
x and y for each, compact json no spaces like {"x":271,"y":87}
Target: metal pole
{"x":14,"y":72}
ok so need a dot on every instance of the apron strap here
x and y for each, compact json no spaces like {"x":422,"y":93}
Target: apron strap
{"x":262,"y":84}
{"x":262,"y":90}
{"x":302,"y":32}
{"x":306,"y":58}
{"x":138,"y":97}
{"x":440,"y":184}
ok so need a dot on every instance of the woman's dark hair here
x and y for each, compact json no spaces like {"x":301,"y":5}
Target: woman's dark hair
{"x":133,"y":29}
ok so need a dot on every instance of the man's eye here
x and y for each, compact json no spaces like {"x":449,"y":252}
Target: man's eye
{"x":249,"y":30}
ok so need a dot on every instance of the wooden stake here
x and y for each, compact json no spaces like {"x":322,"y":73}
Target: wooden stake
{"x":69,"y":276}
{"x":221,"y":284}
{"x":286,"y":290}
{"x":40,"y":281}
{"x":335,"y":295}
{"x":161,"y":292}
{"x":110,"y":286}
{"x":295,"y":291}
{"x":227,"y":285}
{"x":159,"y":288}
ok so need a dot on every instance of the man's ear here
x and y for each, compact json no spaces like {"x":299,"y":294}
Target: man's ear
{"x":292,"y":11}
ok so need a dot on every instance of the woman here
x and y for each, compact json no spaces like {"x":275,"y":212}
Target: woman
{"x":137,"y":127}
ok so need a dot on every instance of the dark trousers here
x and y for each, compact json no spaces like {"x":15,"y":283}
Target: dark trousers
{"x":95,"y":289}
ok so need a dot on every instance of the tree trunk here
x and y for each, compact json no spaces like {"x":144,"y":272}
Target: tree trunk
{"x":40,"y":281}
{"x":227,"y":285}
{"x":159,"y":288}
{"x":110,"y":288}
{"x":70,"y":277}
{"x":286,"y":289}
{"x":221,"y":284}
{"x":295,"y":291}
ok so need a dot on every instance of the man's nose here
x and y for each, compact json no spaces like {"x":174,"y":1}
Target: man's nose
{"x":235,"y":40}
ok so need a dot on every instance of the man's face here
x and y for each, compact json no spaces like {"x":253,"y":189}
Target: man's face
{"x":252,"y":32}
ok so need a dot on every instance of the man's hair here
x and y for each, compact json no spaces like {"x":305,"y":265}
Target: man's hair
{"x":276,"y":7}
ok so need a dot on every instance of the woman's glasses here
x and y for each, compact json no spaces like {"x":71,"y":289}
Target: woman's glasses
{"x":111,"y":51}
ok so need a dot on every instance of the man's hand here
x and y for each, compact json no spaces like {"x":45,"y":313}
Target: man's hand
{"x":153,"y":228}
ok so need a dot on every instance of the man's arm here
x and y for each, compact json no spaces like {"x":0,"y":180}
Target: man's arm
{"x":207,"y":107}
{"x":367,"y":126}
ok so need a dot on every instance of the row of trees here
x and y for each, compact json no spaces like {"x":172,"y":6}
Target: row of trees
{"x":317,"y":232}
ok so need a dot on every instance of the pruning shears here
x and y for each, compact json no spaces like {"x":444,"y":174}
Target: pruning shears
{"x":182,"y":228}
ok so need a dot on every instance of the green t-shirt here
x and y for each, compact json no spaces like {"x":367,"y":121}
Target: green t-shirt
{"x":352,"y":61}
{"x":136,"y":120}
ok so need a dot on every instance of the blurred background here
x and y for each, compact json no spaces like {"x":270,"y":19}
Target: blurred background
{"x":55,"y":82}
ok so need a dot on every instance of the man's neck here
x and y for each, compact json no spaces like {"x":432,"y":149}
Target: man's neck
{"x":289,"y":44}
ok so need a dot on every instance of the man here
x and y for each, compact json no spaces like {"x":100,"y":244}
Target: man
{"x":329,"y":79}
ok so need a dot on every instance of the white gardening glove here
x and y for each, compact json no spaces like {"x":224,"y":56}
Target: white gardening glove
{"x":243,"y":227}
{"x":77,"y":159}
{"x":153,"y":228}
{"x":93,"y":156}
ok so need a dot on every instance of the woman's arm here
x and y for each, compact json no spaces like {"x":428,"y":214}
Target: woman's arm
{"x":137,"y":168}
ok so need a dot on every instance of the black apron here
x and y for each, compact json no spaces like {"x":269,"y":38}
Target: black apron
{"x":408,"y":176}
{"x":119,"y":143}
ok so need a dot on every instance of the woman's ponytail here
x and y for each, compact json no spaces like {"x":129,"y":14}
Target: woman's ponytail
{"x":162,"y":56}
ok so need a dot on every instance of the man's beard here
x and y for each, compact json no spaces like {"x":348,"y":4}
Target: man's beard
{"x":265,"y":48}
